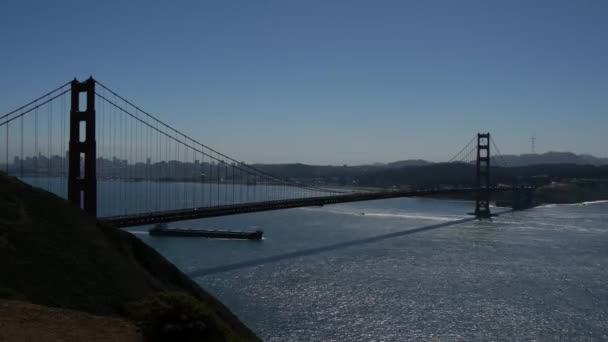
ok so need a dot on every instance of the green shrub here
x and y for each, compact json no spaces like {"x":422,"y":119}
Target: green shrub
{"x":174,"y":316}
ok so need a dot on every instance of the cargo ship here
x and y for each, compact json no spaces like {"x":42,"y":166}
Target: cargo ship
{"x":163,"y":230}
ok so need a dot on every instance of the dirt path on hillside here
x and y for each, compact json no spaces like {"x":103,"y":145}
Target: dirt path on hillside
{"x":21,"y":321}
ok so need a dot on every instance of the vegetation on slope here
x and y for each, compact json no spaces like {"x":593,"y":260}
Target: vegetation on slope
{"x":52,"y":253}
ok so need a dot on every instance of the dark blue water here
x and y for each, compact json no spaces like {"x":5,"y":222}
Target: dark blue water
{"x":535,"y":275}
{"x":119,"y":197}
{"x":406,"y":269}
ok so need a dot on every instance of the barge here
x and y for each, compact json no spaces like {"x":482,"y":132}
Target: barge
{"x":162,"y":230}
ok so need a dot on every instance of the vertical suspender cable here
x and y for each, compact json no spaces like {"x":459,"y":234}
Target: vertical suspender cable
{"x":50,"y":145}
{"x":203,"y":178}
{"x":160,"y":166}
{"x":217,"y":164}
{"x":124,"y":162}
{"x":21,"y":152}
{"x":63,"y":150}
{"x":101,"y":155}
{"x":176,"y":185}
{"x":36,"y":143}
{"x":225,"y":197}
{"x":7,"y":124}
{"x":133,"y":167}
{"x":186,"y":178}
{"x":210,"y":181}
{"x":233,"y":183}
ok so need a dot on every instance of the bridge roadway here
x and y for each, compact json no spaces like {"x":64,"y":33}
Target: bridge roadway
{"x":141,"y":219}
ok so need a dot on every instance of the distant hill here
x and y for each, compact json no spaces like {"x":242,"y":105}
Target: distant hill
{"x":549,"y":158}
{"x":439,"y":174}
{"x":305,"y":171}
{"x":409,"y":162}
{"x":513,"y":160}
{"x":423,"y":172}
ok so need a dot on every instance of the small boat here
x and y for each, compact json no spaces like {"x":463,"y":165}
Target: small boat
{"x":162,"y":230}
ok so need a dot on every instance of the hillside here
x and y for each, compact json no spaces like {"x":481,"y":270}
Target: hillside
{"x":550,"y":158}
{"x":27,"y":322}
{"x":424,"y":173}
{"x":53,"y":254}
{"x":464,"y":174}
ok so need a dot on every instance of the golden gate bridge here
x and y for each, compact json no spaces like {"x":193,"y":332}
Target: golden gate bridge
{"x":118,"y":162}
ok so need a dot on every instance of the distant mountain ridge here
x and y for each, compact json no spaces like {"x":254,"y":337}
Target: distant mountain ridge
{"x":345,"y":173}
{"x":409,"y":162}
{"x":549,"y":158}
{"x":513,"y":160}
{"x":401,"y":163}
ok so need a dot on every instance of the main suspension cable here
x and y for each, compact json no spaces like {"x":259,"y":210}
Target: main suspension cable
{"x":256,"y":170}
{"x":454,"y":158}
{"x":36,"y":100}
{"x":33,"y":108}
{"x":194,"y":148}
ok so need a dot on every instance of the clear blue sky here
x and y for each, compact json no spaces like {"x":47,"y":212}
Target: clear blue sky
{"x":326,"y":81}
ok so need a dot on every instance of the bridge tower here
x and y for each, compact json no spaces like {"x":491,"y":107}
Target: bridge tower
{"x":482,"y":205}
{"x":82,"y":184}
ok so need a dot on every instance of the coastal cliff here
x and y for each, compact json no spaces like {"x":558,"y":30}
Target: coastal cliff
{"x":54,"y":254}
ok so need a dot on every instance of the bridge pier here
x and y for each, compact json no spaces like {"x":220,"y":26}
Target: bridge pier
{"x":82,"y":186}
{"x":523,"y":199}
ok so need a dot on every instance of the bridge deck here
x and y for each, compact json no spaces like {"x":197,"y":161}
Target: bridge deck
{"x":242,"y":208}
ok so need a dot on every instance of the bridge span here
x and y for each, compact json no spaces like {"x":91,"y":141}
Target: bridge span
{"x":123,"y":221}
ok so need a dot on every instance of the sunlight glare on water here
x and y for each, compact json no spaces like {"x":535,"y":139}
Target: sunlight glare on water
{"x":538,"y":274}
